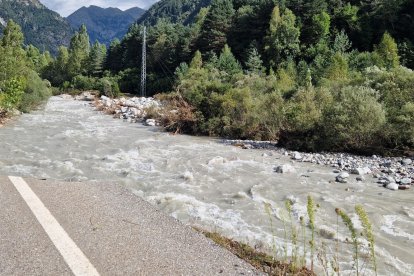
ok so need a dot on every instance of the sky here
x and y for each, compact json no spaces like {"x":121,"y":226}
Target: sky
{"x":66,"y":7}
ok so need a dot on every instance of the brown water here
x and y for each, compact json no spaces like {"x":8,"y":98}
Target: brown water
{"x":203,"y":182}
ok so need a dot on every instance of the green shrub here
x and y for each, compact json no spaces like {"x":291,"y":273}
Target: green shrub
{"x":354,"y":119}
{"x":270,"y":110}
{"x":83,"y":83}
{"x":108,"y":87}
{"x":36,"y":92}
{"x":11,"y":93}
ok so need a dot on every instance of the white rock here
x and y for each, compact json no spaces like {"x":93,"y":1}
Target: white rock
{"x":387,"y":179}
{"x":150,"y":122}
{"x":392,"y":186}
{"x":342,"y":177}
{"x":406,"y":181}
{"x":286,"y":168}
{"x":361,"y":171}
{"x":297,"y":156}
{"x":130,"y":103}
{"x":124,"y":109}
{"x":135,"y":111}
{"x":407,"y":161}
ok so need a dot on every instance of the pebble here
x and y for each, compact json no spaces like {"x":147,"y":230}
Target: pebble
{"x":385,"y":169}
{"x":360,"y":178}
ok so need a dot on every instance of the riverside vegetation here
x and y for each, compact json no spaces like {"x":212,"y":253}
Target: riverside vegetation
{"x":313,"y":75}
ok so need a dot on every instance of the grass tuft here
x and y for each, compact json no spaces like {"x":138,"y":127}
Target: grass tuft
{"x":368,"y":233}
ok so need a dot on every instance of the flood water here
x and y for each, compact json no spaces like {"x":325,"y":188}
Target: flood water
{"x":204,"y":183}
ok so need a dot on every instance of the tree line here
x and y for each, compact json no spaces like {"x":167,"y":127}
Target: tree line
{"x":313,"y":74}
{"x":21,"y":86}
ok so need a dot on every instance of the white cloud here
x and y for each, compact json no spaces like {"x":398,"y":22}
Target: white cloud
{"x":66,"y":7}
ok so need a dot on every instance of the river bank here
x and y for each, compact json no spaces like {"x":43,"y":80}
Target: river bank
{"x":393,"y":173}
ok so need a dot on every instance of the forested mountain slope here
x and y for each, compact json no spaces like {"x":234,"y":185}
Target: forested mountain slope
{"x":43,"y":28}
{"x":175,"y":11}
{"x":104,"y":25}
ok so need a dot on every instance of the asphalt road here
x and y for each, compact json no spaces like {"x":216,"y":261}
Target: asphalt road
{"x":54,"y":228}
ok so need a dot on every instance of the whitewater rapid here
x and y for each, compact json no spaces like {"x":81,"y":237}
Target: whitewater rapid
{"x":205,"y":183}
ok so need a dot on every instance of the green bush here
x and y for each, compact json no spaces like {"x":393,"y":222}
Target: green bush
{"x":109,"y":87}
{"x":270,"y":110}
{"x":354,"y":119}
{"x":83,"y":83}
{"x":36,"y":92}
{"x":11,"y":93}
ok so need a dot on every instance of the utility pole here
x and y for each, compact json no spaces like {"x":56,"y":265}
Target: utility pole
{"x":144,"y":64}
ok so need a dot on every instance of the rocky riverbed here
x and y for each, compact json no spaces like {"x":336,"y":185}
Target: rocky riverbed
{"x":394,"y":173}
{"x":133,"y":110}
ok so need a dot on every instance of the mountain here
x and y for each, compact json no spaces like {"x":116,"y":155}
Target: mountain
{"x":104,"y":25}
{"x":43,"y":28}
{"x":135,"y":12}
{"x":175,"y":11}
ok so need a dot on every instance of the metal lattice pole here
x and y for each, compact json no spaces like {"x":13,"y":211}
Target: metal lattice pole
{"x":144,"y":64}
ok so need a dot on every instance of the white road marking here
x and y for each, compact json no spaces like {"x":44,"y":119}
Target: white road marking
{"x":73,"y":256}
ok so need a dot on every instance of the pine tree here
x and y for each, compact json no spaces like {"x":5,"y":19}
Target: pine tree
{"x":387,"y":50}
{"x":78,"y":51}
{"x":254,"y":63}
{"x":96,"y":58}
{"x":197,"y":61}
{"x":12,"y":56}
{"x":213,"y":34}
{"x":228,"y":63}
{"x":12,"y":36}
{"x":114,"y":58}
{"x":282,"y":40}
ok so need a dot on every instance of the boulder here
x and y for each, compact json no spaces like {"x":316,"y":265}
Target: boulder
{"x":286,"y":168}
{"x":342,"y":177}
{"x":296,"y":156}
{"x":392,"y":186}
{"x":387,"y":179}
{"x":135,"y":111}
{"x":361,"y":171}
{"x":406,"y":181}
{"x":150,"y":122}
{"x":406,"y":161}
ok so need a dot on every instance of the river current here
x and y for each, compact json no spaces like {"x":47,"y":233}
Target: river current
{"x":205,"y":183}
